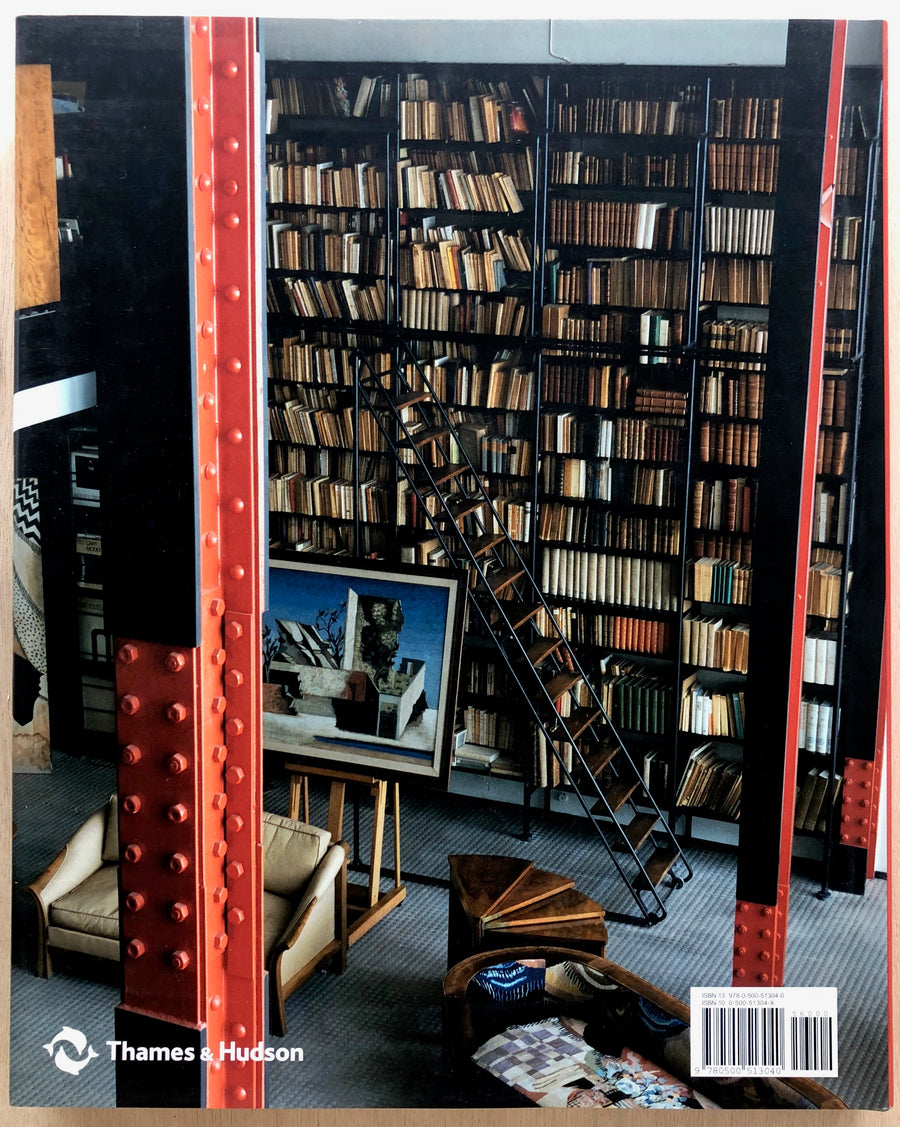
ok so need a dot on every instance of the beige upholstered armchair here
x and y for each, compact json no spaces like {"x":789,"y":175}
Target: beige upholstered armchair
{"x":304,"y":899}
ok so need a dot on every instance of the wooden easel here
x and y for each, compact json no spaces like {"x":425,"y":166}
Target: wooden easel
{"x":366,"y":904}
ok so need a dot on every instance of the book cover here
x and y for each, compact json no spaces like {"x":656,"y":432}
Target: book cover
{"x":200,"y":921}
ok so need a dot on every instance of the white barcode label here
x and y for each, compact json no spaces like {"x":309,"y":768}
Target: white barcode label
{"x":765,"y":1031}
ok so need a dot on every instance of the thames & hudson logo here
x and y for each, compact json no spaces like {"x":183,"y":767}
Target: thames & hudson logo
{"x":57,"y":1050}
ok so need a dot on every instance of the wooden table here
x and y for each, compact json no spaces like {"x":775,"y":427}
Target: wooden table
{"x":498,"y":902}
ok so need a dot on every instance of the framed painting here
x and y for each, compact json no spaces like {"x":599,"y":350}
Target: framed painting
{"x":361,"y":664}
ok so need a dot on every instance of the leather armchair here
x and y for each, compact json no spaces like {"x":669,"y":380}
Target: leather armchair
{"x":304,"y":901}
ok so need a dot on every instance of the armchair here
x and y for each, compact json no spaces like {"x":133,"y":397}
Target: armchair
{"x":304,"y":901}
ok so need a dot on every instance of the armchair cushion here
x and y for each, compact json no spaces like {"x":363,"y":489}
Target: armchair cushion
{"x":92,"y":907}
{"x":292,"y":852}
{"x":110,"y":854}
{"x":277,"y":912}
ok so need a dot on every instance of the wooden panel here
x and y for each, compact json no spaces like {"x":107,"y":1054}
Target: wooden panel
{"x":37,"y":237}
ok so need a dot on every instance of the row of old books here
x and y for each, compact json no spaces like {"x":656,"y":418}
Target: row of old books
{"x":586,"y":384}
{"x":711,"y":782}
{"x":340,"y":95}
{"x":734,"y":335}
{"x":559,"y":323}
{"x":288,"y":457}
{"x":517,"y":163}
{"x":814,"y":796}
{"x":577,"y":168}
{"x":317,"y":363}
{"x":843,"y":286}
{"x":707,"y":711}
{"x":603,"y":480}
{"x":738,"y":230}
{"x":671,"y":116}
{"x":736,"y":281}
{"x":480,"y":118}
{"x":454,"y":189}
{"x":830,"y":511}
{"x":503,"y":384}
{"x":598,"y":577}
{"x":312,"y":534}
{"x":302,"y":423}
{"x":823,"y":597}
{"x":331,"y":299}
{"x":819,"y":658}
{"x":326,"y":496}
{"x":816,"y":725}
{"x":500,"y":454}
{"x":514,"y":244}
{"x":831,"y":452}
{"x":490,"y":729}
{"x":746,"y":116}
{"x":710,"y":580}
{"x":851,"y":170}
{"x":714,"y":643}
{"x":456,"y":312}
{"x":635,"y":282}
{"x":601,"y":528}
{"x":304,"y":150}
{"x":845,"y":236}
{"x":727,"y":546}
{"x":643,"y":225}
{"x":311,"y":248}
{"x":834,"y":397}
{"x":736,"y":393}
{"x":729,"y":444}
{"x":637,"y":700}
{"x":738,"y":167}
{"x":660,"y":400}
{"x":585,"y":627}
{"x":724,"y":504}
{"x":636,"y":439}
{"x":448,"y":265}
{"x":360,"y":185}
{"x":839,"y":342}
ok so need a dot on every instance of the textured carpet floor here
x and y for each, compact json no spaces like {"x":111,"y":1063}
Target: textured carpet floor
{"x":372,"y":1037}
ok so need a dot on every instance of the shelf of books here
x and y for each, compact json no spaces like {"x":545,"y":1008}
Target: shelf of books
{"x":580,"y":263}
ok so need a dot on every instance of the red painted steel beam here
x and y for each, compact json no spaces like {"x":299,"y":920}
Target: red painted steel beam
{"x":759,"y":950}
{"x":189,"y":719}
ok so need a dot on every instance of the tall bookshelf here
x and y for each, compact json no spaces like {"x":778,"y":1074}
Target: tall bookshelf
{"x":584,"y":273}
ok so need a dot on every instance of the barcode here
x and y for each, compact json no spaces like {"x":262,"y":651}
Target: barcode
{"x":770,"y":1031}
{"x":811,"y":1039}
{"x":743,"y":1038}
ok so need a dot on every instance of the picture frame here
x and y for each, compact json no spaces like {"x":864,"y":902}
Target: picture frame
{"x":361,"y":664}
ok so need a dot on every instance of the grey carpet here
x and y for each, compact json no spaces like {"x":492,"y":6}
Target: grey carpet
{"x":372,"y":1037}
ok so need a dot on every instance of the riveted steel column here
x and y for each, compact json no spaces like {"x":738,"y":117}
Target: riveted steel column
{"x":224,"y":129}
{"x":804,"y":208}
{"x":189,"y":717}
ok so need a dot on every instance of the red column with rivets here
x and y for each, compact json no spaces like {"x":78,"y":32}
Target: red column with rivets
{"x":189,"y":720}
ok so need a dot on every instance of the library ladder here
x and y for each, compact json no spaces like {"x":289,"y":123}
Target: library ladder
{"x":569,"y":712}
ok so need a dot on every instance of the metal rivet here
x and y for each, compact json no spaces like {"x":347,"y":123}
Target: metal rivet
{"x":177,"y":813}
{"x":208,"y":400}
{"x":230,"y":187}
{"x":740,"y":973}
{"x":219,"y":753}
{"x":220,"y":941}
{"x":219,"y":894}
{"x":219,"y":704}
{"x":211,"y":539}
{"x":178,"y":863}
{"x":217,"y":607}
{"x":131,"y":803}
{"x":133,"y":853}
{"x":230,"y":69}
{"x":740,"y":951}
{"x":240,"y":1094}
{"x":232,"y":220}
{"x":238,"y":1030}
{"x":237,"y":572}
{"x":219,"y":801}
{"x":233,"y":365}
{"x":204,"y":181}
{"x":128,"y":653}
{"x":179,"y":911}
{"x":214,"y":1003}
{"x":231,"y":145}
{"x":134,"y":901}
{"x":234,"y":678}
{"x":234,"y":775}
{"x":236,"y":505}
{"x":234,"y":823}
{"x":206,"y":329}
{"x":180,"y":960}
{"x":175,"y":662}
{"x":234,"y":727}
{"x":236,"y":916}
{"x":203,"y":105}
{"x":217,"y":657}
{"x":209,"y":470}
{"x":201,"y":27}
{"x":131,"y":754}
{"x":135,"y":949}
{"x":233,"y":631}
{"x":205,"y":256}
{"x":235,"y":436}
{"x":177,"y":712}
{"x":220,"y":848}
{"x":235,"y":870}
{"x":232,"y":293}
{"x":130,"y":704}
{"x":177,"y":763}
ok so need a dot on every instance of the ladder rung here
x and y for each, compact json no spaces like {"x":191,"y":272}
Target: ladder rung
{"x":479,"y":545}
{"x":581,"y":719}
{"x":440,"y":475}
{"x":517,"y":614}
{"x":459,"y":507}
{"x":542,"y":649}
{"x":638,"y":830}
{"x":501,"y":579}
{"x":423,"y":437}
{"x":560,"y":684}
{"x":596,"y":760}
{"x":616,"y":796}
{"x":661,"y":860}
{"x":411,"y":398}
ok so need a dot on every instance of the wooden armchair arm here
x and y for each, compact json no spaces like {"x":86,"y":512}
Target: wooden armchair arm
{"x":320,"y":882}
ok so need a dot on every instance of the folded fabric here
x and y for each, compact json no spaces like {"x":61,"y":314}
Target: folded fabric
{"x":512,"y":981}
